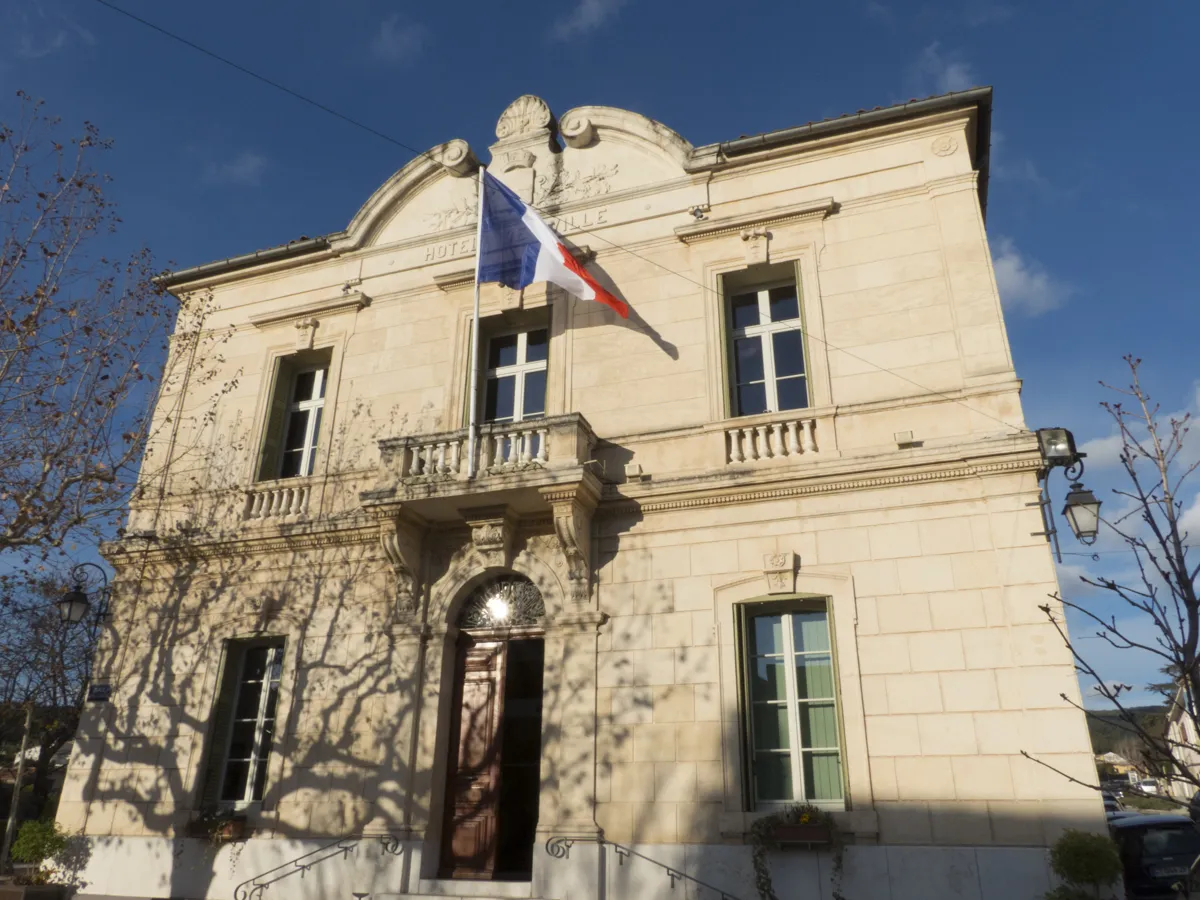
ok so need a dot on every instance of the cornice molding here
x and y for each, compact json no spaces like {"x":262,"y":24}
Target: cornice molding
{"x":707,"y":229}
{"x":351,"y":301}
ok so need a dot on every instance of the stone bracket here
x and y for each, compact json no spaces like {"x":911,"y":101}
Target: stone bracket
{"x":572,"y":507}
{"x":402,"y":536}
{"x":492,"y":530}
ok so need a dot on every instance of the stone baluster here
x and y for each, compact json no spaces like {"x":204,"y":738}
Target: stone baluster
{"x":735,"y":445}
{"x":455,"y":453}
{"x":543,"y":454}
{"x":777,"y":439}
{"x":427,"y":467}
{"x":751,"y":450}
{"x":810,"y":445}
{"x":793,"y":440}
{"x":764,"y":443}
{"x":526,"y":449}
{"x":498,"y":455}
{"x":514,"y":449}
{"x":440,"y":467}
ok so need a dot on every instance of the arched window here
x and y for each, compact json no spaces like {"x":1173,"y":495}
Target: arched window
{"x":506,"y":602}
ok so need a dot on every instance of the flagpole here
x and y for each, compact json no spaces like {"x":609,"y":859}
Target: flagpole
{"x":472,"y":416}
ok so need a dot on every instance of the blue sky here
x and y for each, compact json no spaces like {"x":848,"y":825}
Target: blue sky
{"x":1092,"y":214}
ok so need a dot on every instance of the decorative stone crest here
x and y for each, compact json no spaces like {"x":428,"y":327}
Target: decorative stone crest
{"x":401,"y":538}
{"x":779,"y":569}
{"x":757,"y":242}
{"x":527,"y":116}
{"x":507,"y":160}
{"x":576,"y":130}
{"x":456,"y":155}
{"x":572,"y":508}
{"x":492,"y":531}
{"x":574,"y":184}
{"x":944,"y":145}
{"x":306,"y":333}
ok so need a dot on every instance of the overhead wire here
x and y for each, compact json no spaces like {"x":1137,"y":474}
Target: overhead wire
{"x":425,"y":153}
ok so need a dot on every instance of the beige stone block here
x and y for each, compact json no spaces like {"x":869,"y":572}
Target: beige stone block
{"x":842,"y":545}
{"x":695,"y":665}
{"x":894,"y":541}
{"x":631,"y":564}
{"x":752,"y":550}
{"x":883,"y":778}
{"x":699,"y":823}
{"x":883,"y":654}
{"x":698,"y":741}
{"x":654,"y":743}
{"x":969,"y":691}
{"x":875,"y":578}
{"x":672,"y":630}
{"x":631,"y":633}
{"x":675,"y":781}
{"x":714,"y":558}
{"x":893,"y":735}
{"x":655,"y":823}
{"x":692,"y":593}
{"x":653,"y":666}
{"x":936,"y":651}
{"x":1016,"y":822}
{"x":1036,"y":687}
{"x":961,"y":822}
{"x":632,"y":705}
{"x":614,"y":744}
{"x":941,"y":536}
{"x":986,"y":648}
{"x":975,"y":570}
{"x":603,"y":782}
{"x":616,"y":819}
{"x":674,"y":703}
{"x":925,"y":574}
{"x":672,"y":562}
{"x":903,"y":613}
{"x":1049,"y":777}
{"x":948,"y":734}
{"x":704,"y":628}
{"x":924,"y":778}
{"x":615,"y":599}
{"x":1022,"y":604}
{"x":868,"y":616}
{"x":633,"y":782}
{"x":904,"y":823}
{"x":708,"y":702}
{"x":874,"y":691}
{"x":1026,"y":565}
{"x":982,"y":777}
{"x":614,"y":669}
{"x":1054,"y":730}
{"x":710,"y":781}
{"x":654,"y":597}
{"x":913,"y":693}
{"x":957,"y":610}
{"x":999,"y":733}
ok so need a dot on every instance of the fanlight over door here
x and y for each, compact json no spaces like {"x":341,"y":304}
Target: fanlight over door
{"x":492,"y":785}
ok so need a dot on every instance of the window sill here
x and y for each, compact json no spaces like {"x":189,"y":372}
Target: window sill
{"x":862,"y":825}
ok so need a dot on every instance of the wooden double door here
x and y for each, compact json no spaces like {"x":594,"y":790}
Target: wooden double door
{"x":493,"y":773}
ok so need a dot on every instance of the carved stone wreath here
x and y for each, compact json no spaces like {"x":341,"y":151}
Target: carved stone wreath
{"x":505,"y":602}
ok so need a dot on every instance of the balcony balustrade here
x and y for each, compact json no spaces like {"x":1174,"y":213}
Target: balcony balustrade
{"x":277,"y":500}
{"x":791,"y":436}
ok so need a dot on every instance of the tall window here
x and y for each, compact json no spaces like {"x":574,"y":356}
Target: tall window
{"x":515,"y":380}
{"x":243,"y":732}
{"x":768,"y":350}
{"x":299,"y":452}
{"x":793,"y":723}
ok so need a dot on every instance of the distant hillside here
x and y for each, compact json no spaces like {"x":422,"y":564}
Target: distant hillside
{"x":1107,"y":729}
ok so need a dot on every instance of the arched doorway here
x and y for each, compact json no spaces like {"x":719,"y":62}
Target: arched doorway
{"x":493,"y":773}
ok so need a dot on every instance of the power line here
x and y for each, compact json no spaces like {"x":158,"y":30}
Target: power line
{"x":424,"y":153}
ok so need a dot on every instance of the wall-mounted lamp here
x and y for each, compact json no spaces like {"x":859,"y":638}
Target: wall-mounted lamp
{"x":1082,"y":509}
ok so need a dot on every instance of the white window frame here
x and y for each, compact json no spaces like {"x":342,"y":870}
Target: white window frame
{"x":765,"y":331}
{"x":308,"y":456}
{"x":520,"y":369}
{"x":796,"y":748}
{"x":274,"y":660}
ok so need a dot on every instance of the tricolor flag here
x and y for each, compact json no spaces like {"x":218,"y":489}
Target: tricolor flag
{"x":516,"y":248}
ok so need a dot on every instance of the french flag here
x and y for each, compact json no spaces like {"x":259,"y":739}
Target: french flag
{"x":516,"y":248}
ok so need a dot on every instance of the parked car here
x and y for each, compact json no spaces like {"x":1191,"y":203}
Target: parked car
{"x":1147,"y":786}
{"x":1194,"y":807}
{"x":1111,"y":803}
{"x":1157,"y":852}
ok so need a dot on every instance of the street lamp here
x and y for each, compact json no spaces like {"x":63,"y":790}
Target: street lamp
{"x":1082,"y":509}
{"x":1082,"y":512}
{"x":73,"y":606}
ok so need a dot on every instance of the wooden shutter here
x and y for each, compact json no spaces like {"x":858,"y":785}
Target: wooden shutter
{"x":281,"y":384}
{"x":219,"y":722}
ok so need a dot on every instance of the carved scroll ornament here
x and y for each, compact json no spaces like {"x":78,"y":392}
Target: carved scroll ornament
{"x":401,"y":538}
{"x":572,"y":508}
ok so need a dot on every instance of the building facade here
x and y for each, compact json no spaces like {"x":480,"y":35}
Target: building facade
{"x":771,"y":540}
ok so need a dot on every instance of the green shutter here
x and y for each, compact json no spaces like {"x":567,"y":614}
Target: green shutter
{"x":219,"y":723}
{"x":268,"y":460}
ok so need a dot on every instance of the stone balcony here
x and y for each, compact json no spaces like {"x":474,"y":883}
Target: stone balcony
{"x":430,"y":474}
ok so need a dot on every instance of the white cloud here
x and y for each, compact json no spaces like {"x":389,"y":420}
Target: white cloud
{"x":937,"y":72}
{"x":38,"y":30}
{"x":1190,"y":522}
{"x":1025,"y":286}
{"x":398,"y":42}
{"x":1016,"y":169}
{"x":245,"y":170}
{"x":878,"y":13}
{"x":983,"y":12}
{"x":585,"y":18}
{"x":1103,"y":452}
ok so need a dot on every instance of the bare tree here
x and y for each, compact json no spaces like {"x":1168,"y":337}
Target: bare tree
{"x":1160,"y":593}
{"x":83,"y":342}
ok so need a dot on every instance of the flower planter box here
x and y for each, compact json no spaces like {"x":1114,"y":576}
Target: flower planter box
{"x":224,"y":832}
{"x":35,"y":891}
{"x":813,"y":834}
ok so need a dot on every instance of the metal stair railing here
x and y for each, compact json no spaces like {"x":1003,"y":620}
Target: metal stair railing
{"x":253,"y":888}
{"x":559,"y":847}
